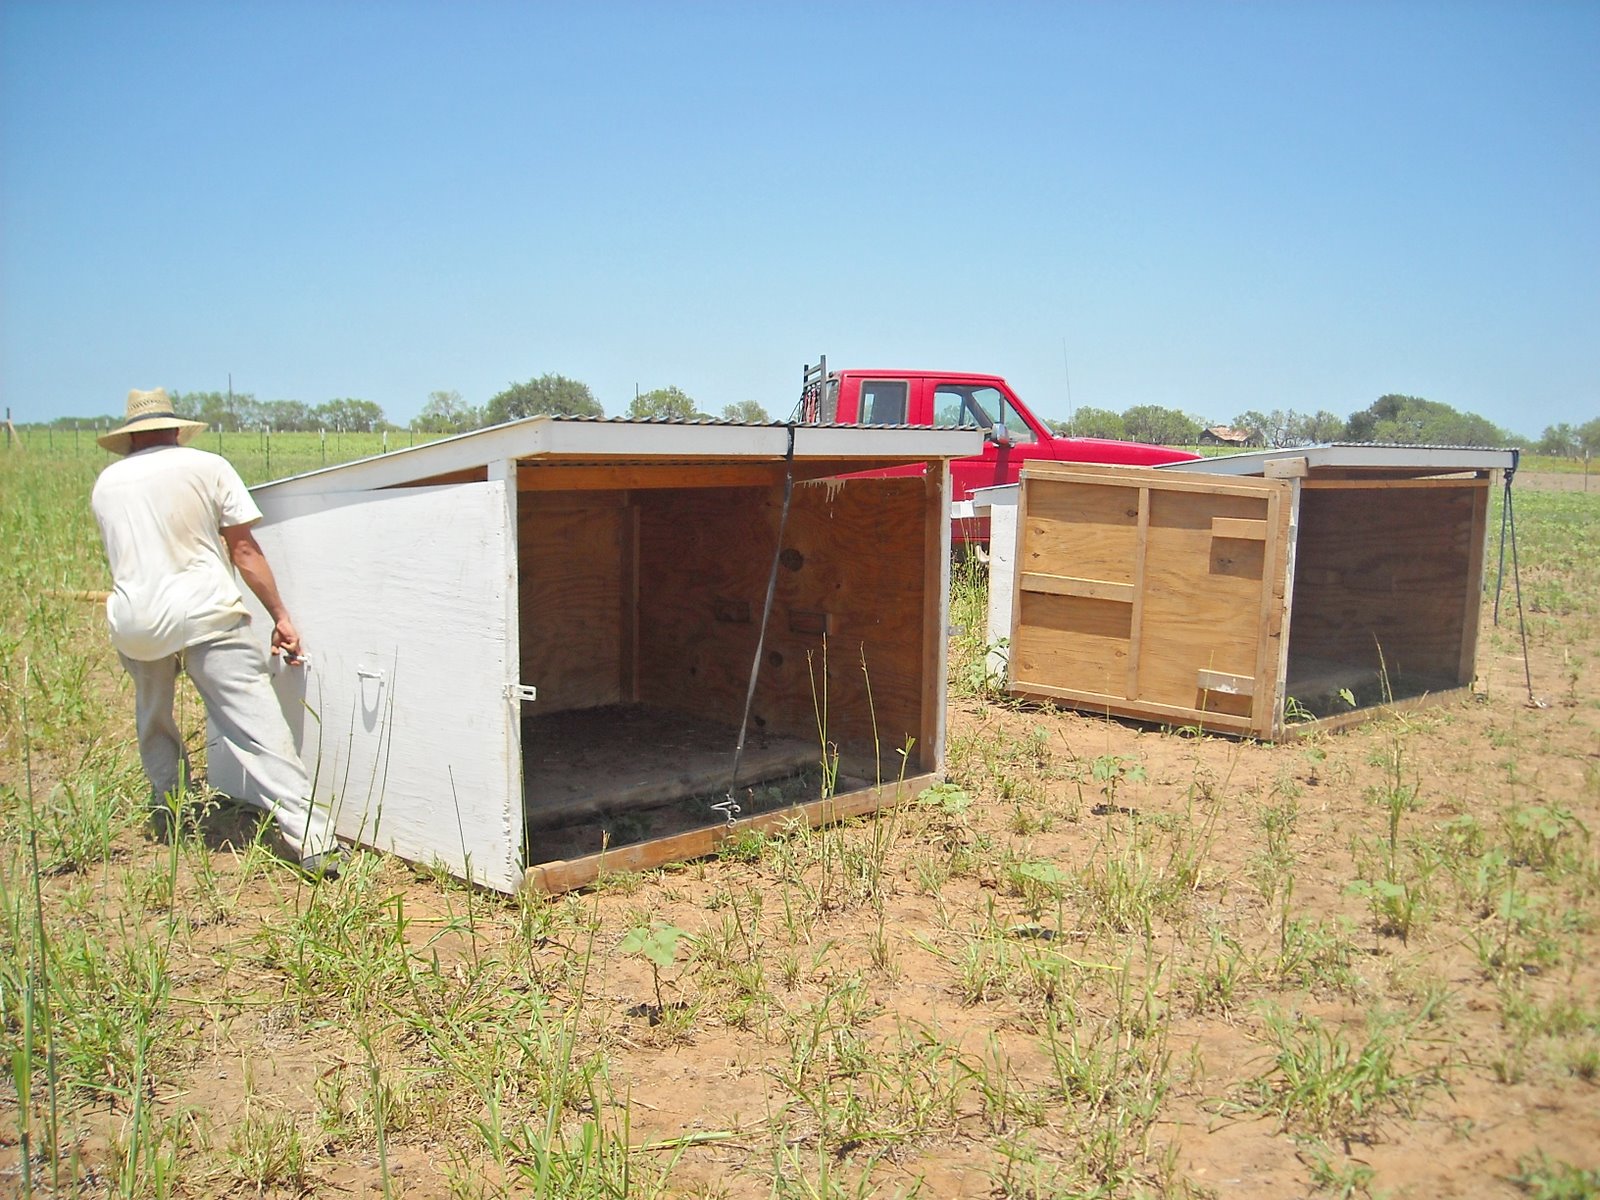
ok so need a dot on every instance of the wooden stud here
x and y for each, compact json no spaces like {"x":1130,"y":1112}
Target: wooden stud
{"x":628,"y":618}
{"x":1227,"y":684}
{"x":1170,"y":481}
{"x":1368,"y":484}
{"x":565,"y":875}
{"x":1139,"y":710}
{"x":1067,"y":585}
{"x":1239,"y":527}
{"x":1472,"y":601}
{"x":1136,"y":618}
{"x":936,"y":590}
{"x":1286,"y":468}
{"x":1269,"y":720}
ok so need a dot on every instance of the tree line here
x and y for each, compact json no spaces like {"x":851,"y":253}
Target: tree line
{"x":556,"y":395}
{"x":444,"y":411}
{"x":1394,"y":418}
{"x":1397,"y":419}
{"x":237,"y":411}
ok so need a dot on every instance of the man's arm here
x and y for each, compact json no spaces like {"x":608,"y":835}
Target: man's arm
{"x":251,"y":563}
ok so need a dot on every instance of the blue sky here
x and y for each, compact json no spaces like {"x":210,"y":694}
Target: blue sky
{"x":1210,"y":206}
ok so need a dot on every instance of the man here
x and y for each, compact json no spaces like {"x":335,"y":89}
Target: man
{"x":176,"y":524}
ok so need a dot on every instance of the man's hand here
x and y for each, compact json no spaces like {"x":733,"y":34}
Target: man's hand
{"x":286,"y":641}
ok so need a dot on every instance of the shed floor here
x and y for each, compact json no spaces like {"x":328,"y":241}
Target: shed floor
{"x":626,"y":773}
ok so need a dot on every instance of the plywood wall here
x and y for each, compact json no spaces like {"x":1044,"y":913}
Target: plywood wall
{"x":848,"y":626}
{"x":1394,"y":570}
{"x":575,"y":562}
{"x":1150,"y":594}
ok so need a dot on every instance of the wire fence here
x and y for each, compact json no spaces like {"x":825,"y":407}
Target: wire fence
{"x":257,"y":454}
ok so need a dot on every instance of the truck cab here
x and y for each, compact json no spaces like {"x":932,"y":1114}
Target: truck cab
{"x":1012,"y":433}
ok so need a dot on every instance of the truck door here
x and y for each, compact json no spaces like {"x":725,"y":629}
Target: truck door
{"x":982,"y":406}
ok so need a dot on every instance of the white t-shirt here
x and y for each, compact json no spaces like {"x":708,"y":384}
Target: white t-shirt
{"x":161,"y":512}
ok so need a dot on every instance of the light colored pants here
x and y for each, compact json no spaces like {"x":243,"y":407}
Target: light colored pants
{"x":230,"y":673}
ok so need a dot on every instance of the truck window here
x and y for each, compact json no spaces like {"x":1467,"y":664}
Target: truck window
{"x":883,"y":402}
{"x":978,"y":408}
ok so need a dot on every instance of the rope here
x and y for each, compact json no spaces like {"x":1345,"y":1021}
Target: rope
{"x":729,"y":807}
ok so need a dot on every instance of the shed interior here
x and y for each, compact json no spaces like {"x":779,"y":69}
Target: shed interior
{"x":640,"y":599}
{"x":1386,"y":591}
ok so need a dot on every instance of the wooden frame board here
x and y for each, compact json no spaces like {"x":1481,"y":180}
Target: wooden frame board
{"x":566,"y":875}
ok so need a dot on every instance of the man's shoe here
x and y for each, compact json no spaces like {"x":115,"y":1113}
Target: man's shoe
{"x":323,"y":866}
{"x":159,"y":823}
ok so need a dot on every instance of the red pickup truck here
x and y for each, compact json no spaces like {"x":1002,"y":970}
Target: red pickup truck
{"x":1012,"y":434}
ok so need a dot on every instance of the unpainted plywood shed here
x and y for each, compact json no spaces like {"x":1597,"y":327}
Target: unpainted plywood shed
{"x":1257,"y":594}
{"x":531,"y":645}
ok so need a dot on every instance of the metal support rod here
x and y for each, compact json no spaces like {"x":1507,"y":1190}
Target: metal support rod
{"x":729,"y":807}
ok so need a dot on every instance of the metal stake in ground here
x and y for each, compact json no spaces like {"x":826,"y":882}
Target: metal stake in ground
{"x":729,"y":807}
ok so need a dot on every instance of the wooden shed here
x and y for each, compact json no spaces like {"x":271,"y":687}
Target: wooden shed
{"x":533,"y":643}
{"x":1257,"y":594}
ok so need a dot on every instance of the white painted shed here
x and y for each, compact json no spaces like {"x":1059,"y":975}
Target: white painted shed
{"x":532,"y":644}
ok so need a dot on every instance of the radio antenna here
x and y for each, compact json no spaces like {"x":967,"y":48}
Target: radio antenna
{"x":1072,"y":412}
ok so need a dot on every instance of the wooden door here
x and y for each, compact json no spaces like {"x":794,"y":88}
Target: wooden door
{"x":405,"y":716}
{"x":1153,"y":594}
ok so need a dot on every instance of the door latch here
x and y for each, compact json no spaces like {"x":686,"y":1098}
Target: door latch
{"x":525,"y":692}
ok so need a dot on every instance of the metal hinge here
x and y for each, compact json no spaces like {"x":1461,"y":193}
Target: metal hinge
{"x":525,"y":692}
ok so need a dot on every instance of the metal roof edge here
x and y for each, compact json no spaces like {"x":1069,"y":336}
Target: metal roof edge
{"x":1369,"y":455}
{"x":556,"y":436}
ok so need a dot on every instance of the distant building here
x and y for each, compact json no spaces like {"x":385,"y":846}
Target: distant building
{"x":1221,"y":435}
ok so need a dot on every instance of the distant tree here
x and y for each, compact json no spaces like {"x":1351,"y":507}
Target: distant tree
{"x":287,"y":415}
{"x":218,"y":410}
{"x":745,"y":410}
{"x":1589,"y":438}
{"x":1252,"y":422}
{"x":352,"y":416}
{"x":1413,"y":421}
{"x":1315,"y":428}
{"x":1093,"y":422}
{"x":1560,"y":439}
{"x":1275,"y":428}
{"x":550,"y":395}
{"x":447,"y":412}
{"x":1153,"y":423}
{"x":670,"y":403}
{"x":1286,"y":427}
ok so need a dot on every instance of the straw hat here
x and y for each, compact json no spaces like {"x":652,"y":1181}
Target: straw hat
{"x":149,"y":410}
